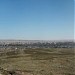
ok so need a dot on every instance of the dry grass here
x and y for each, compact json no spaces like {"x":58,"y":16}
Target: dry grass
{"x":54,"y":61}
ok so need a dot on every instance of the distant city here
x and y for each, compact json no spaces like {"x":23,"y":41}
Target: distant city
{"x":37,"y":43}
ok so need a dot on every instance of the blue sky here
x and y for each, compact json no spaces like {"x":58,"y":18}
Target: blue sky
{"x":37,"y":19}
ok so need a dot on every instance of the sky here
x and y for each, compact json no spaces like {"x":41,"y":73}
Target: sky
{"x":37,"y":19}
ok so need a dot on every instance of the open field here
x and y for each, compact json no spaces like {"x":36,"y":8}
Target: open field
{"x":52,"y":61}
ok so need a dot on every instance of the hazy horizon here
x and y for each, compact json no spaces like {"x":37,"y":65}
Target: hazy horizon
{"x":35,"y":40}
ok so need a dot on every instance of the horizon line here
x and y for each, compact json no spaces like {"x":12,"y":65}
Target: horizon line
{"x":39,"y":39}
